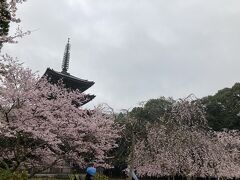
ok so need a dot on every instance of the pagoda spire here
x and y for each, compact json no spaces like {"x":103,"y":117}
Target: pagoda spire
{"x":66,"y":58}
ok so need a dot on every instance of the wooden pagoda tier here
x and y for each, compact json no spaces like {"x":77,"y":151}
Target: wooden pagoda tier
{"x":70,"y":82}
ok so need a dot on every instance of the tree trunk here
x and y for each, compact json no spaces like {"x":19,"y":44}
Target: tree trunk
{"x":132,"y":155}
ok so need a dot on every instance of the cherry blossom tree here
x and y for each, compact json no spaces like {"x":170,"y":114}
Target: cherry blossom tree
{"x":182,"y":144}
{"x":40,"y":126}
{"x":230,"y":140}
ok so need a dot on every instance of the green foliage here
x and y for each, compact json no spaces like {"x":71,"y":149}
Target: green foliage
{"x":72,"y":176}
{"x":223,"y":108}
{"x":44,"y":179}
{"x":121,"y":153}
{"x":5,"y":18}
{"x":100,"y":177}
{"x":17,"y":175}
{"x":152,"y":110}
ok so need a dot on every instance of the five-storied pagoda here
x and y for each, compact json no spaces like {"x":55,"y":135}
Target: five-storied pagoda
{"x":70,"y":82}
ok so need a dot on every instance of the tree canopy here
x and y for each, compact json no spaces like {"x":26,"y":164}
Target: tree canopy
{"x":223,"y":108}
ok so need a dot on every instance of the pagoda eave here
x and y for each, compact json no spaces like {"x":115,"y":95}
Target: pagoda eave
{"x":68,"y":80}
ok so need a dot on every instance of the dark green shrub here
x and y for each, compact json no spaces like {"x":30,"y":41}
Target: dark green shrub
{"x":17,"y":175}
{"x":100,"y":177}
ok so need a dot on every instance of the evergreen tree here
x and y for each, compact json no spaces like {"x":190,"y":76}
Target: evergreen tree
{"x":5,"y":18}
{"x":223,"y":109}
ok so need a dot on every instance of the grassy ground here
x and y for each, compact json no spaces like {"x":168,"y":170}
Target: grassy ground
{"x":41,"y":178}
{"x":66,"y":179}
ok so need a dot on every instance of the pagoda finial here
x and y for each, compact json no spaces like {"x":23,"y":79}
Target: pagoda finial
{"x":66,"y":57}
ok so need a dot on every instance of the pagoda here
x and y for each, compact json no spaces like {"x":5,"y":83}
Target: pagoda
{"x":70,"y":82}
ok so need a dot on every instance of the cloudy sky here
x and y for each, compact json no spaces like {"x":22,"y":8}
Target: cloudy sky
{"x":135,"y":50}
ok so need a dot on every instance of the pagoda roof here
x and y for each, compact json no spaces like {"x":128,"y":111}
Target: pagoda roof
{"x":89,"y":97}
{"x":69,"y":81}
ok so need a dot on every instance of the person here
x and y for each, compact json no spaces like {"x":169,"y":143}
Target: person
{"x":91,"y":171}
{"x":134,"y":177}
{"x":132,"y":174}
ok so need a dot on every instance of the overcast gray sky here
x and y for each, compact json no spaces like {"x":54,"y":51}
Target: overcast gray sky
{"x":135,"y":50}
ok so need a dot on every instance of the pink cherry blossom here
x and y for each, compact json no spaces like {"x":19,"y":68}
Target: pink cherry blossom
{"x":182,"y":144}
{"x":43,"y":114}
